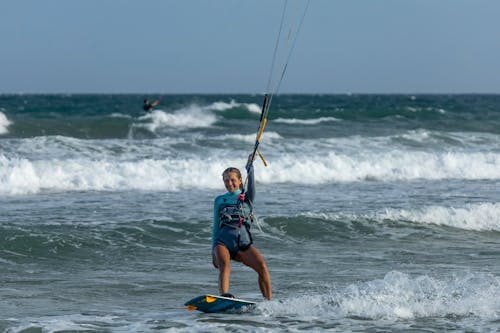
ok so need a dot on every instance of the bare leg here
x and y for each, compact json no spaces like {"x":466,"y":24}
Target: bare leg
{"x":253,"y":259}
{"x":222,"y":260}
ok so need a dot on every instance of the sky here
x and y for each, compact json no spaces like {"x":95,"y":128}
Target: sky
{"x":226,"y":46}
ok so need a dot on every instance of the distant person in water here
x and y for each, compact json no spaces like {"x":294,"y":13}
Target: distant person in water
{"x":148,"y":106}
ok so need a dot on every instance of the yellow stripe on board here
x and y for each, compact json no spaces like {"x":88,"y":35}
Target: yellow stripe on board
{"x":210,"y":299}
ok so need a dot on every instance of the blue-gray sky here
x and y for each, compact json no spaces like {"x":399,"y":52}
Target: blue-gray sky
{"x":226,"y":46}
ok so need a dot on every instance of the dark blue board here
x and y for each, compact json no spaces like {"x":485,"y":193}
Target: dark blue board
{"x":212,"y":303}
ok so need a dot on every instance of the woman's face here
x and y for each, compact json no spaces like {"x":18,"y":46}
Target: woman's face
{"x":232,"y":181}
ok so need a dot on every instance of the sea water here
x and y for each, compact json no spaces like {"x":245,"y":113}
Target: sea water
{"x":376,"y":212}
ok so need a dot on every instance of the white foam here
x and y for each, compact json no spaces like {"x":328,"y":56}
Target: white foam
{"x":4,"y":123}
{"x":479,"y":216}
{"x":119,"y":115}
{"x":61,"y":163}
{"x":223,"y":106}
{"x":22,"y":176}
{"x":426,"y":138}
{"x":64,"y":323}
{"x":17,"y":176}
{"x":192,"y":116}
{"x":313,"y":121}
{"x":400,"y":296}
{"x":92,"y":167}
{"x":381,"y":166}
{"x":427,"y":109}
{"x":254,"y":108}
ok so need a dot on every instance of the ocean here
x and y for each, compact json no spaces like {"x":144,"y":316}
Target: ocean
{"x":377,"y":213}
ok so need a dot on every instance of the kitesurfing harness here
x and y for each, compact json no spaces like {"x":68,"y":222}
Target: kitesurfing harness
{"x":234,"y":224}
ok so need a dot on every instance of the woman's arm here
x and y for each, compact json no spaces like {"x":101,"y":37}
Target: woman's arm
{"x":215,"y":227}
{"x":250,"y":191}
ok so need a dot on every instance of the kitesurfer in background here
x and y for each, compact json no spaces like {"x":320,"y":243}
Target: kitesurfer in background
{"x":231,"y":238}
{"x":148,"y":106}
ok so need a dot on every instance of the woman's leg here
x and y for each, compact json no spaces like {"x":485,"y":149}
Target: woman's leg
{"x":222,"y":259}
{"x":253,"y":259}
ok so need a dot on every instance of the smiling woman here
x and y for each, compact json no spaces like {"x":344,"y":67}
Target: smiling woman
{"x":231,"y":237}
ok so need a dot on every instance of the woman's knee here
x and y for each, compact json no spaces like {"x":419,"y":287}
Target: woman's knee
{"x":259,"y":265}
{"x":262,"y":268}
{"x":221,"y":256}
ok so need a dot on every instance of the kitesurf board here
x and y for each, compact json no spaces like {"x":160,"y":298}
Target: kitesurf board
{"x":212,"y":304}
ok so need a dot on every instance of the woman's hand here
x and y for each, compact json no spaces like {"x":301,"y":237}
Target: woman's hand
{"x":249,"y":161}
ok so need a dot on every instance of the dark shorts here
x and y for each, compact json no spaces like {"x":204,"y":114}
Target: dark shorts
{"x":234,"y":239}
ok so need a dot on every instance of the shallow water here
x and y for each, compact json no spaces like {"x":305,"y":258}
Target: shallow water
{"x":378,"y":213}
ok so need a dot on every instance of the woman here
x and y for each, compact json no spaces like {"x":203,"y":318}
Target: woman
{"x":231,"y":238}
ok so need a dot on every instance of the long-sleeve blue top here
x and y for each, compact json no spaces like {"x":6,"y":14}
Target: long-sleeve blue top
{"x":231,"y":198}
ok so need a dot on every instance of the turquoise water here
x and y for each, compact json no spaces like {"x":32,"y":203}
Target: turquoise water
{"x":378,"y":212}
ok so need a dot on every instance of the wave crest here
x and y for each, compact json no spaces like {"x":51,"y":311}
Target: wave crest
{"x":483,"y":216}
{"x":190,"y":117}
{"x":313,"y":121}
{"x":400,"y":296}
{"x":4,"y":123}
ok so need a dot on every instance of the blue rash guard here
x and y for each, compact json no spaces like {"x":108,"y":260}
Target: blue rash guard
{"x":227,"y":232}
